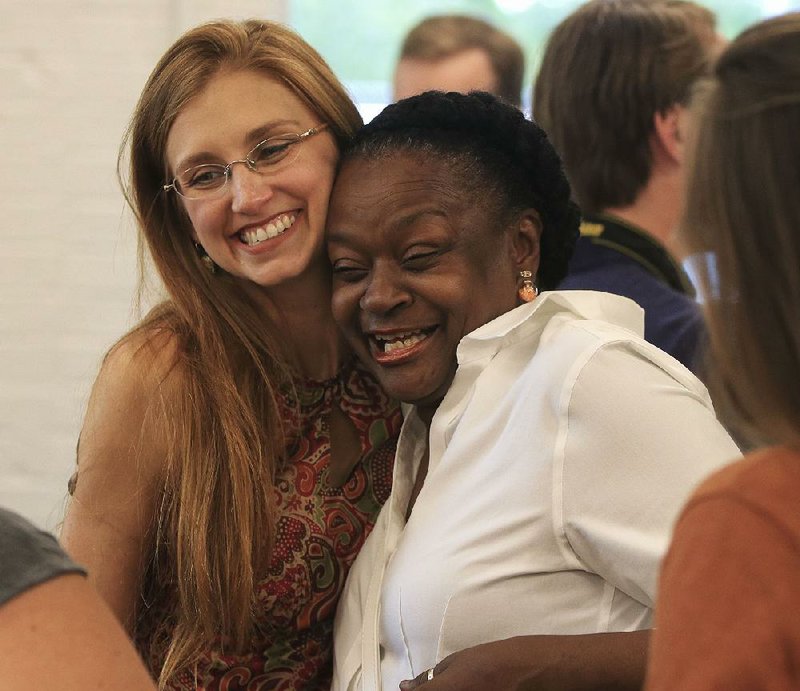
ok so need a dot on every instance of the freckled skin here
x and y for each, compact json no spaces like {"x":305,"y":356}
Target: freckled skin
{"x":412,"y":251}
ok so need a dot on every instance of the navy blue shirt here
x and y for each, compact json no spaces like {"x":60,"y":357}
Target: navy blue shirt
{"x":618,"y":258}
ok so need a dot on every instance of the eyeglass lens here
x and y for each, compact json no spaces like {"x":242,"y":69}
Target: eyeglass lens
{"x":265,"y":157}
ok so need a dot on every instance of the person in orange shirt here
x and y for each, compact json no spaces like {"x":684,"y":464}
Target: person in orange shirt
{"x":729,"y":597}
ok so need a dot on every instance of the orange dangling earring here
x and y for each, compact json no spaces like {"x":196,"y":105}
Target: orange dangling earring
{"x":528,"y":290}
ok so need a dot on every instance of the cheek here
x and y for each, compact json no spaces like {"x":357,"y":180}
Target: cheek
{"x":344,"y":305}
{"x":324,"y":184}
{"x":201,"y":219}
{"x":315,"y":183}
{"x":489,"y":302}
{"x":313,"y":190}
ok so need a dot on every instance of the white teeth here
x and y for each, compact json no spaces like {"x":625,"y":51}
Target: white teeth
{"x":395,"y":337}
{"x":252,"y":236}
{"x":392,"y":343}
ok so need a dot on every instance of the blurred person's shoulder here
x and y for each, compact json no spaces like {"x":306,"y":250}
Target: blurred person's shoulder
{"x":28,"y":556}
{"x":766,"y":480}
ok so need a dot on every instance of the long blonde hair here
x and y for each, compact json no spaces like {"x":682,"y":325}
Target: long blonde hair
{"x":742,"y":206}
{"x":216,"y":525}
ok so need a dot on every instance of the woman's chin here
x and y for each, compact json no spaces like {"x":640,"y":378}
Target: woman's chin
{"x":425,"y":393}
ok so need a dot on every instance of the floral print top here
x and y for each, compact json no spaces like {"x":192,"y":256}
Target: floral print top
{"x":320,"y":530}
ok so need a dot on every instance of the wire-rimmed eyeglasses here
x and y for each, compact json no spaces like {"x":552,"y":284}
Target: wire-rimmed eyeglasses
{"x":209,"y":180}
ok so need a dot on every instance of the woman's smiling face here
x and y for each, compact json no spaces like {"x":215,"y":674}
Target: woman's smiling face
{"x":267,"y":229}
{"x":418,"y":263}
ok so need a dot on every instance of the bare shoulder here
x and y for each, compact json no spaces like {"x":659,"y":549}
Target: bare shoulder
{"x":143,"y":364}
{"x":138,"y":380}
{"x":123,"y":457}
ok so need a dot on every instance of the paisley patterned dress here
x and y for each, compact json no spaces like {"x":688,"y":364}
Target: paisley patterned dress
{"x":320,"y":530}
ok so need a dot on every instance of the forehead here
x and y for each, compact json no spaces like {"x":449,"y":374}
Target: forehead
{"x":231,"y":106}
{"x":465,"y":71}
{"x":374,"y":199}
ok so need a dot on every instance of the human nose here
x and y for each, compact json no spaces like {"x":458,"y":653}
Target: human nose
{"x":248,"y":188}
{"x":384,"y":292}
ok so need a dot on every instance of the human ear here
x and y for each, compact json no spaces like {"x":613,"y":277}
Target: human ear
{"x":668,"y":128}
{"x":526,"y":234}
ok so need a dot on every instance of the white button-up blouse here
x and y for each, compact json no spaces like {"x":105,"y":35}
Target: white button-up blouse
{"x":559,"y":459}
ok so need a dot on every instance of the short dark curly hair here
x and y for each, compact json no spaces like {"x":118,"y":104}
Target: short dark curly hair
{"x":502,"y":157}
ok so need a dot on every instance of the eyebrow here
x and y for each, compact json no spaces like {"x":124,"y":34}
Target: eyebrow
{"x":251,"y":138}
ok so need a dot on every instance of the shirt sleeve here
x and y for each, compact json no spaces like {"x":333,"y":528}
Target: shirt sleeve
{"x":728,"y":602}
{"x":641,"y":435}
{"x":28,"y":556}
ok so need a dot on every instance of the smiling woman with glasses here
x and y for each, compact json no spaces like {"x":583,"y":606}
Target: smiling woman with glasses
{"x":234,"y":454}
{"x":208,"y":180}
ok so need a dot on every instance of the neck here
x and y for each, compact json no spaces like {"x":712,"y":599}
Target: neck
{"x":425,"y":414}
{"x":656,"y":210}
{"x":301,"y":312}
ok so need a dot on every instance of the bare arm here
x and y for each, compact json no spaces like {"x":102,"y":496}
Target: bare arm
{"x":588,"y":662}
{"x":121,"y":456}
{"x":61,"y":635}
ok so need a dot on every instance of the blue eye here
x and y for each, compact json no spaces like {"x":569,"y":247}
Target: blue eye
{"x":203,"y":177}
{"x":272,"y":150}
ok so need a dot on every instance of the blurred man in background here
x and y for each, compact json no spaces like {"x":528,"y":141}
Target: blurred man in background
{"x":612,"y":92}
{"x":459,"y":53}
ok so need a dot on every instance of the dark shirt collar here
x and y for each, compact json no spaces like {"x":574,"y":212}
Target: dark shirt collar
{"x":637,"y":244}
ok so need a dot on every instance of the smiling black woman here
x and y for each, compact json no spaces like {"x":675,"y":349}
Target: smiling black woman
{"x":547,"y":448}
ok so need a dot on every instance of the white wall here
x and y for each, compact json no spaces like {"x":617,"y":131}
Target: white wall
{"x":70,"y":73}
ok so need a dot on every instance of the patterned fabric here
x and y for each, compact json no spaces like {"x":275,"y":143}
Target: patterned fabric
{"x":319,"y":533}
